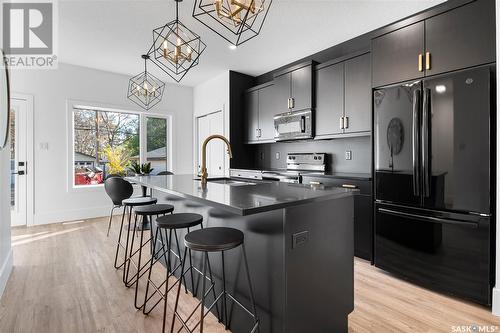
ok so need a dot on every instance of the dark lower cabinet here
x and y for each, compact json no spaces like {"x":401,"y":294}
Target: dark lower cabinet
{"x":363,"y":210}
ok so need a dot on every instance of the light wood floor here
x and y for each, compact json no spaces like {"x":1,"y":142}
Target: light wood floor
{"x":64,"y":281}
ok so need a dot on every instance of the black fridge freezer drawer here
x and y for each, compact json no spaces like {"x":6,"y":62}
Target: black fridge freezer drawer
{"x":445,"y":252}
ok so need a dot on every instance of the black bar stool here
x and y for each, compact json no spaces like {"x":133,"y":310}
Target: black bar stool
{"x":118,"y":189}
{"x":171,"y":223}
{"x":128,"y":205}
{"x":216,"y":239}
{"x":146,"y":213}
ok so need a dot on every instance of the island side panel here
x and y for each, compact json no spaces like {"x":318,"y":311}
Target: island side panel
{"x":264,"y":237}
{"x":319,"y":266}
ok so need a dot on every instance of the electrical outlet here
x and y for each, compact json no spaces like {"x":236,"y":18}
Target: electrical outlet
{"x":262,"y":156}
{"x":348,"y":155}
{"x":277,"y":155}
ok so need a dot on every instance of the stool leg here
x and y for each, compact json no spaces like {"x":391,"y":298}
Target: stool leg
{"x":151,"y":262}
{"x":203,"y":291}
{"x":181,"y":259}
{"x":224,"y":293}
{"x":120,"y":238}
{"x":127,"y":260}
{"x":139,"y":268}
{"x":191,"y":269}
{"x":213,"y":289}
{"x":111,"y":219}
{"x":165,"y":299}
{"x":177,"y":297}
{"x":252,"y":298}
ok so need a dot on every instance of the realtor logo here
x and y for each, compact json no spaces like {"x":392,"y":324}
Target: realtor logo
{"x":28,"y":34}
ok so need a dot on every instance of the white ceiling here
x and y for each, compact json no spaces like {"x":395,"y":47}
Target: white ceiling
{"x":112,"y":34}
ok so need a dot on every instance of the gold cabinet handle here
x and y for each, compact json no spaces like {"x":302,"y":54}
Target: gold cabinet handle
{"x":420,"y":62}
{"x":349,"y":186}
{"x":427,"y":60}
{"x":341,"y":122}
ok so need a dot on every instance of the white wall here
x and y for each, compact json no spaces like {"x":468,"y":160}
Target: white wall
{"x":55,"y":201}
{"x":212,"y":96}
{"x":5,"y":247}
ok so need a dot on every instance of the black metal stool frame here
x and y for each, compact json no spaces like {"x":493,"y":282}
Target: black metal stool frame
{"x":140,"y":269}
{"x":224,"y":293}
{"x":155,"y":257}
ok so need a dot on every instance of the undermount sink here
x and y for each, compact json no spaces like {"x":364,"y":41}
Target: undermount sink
{"x":229,"y":181}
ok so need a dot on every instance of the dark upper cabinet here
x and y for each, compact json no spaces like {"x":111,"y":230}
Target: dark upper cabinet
{"x":294,"y":88}
{"x":252,"y":115}
{"x":329,"y":100}
{"x":461,"y":38}
{"x":343,"y":97}
{"x":398,"y":55}
{"x":358,"y":95}
{"x":261,"y":107}
{"x":267,"y":110}
{"x":302,"y":88}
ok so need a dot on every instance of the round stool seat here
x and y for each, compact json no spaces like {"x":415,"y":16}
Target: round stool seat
{"x":179,"y":221}
{"x":139,"y":201}
{"x":173,"y":198}
{"x":192,"y":204}
{"x":214,"y":239}
{"x":155,"y":209}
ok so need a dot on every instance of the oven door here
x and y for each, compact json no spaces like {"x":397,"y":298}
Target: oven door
{"x":447,"y":252}
{"x":293,"y":125}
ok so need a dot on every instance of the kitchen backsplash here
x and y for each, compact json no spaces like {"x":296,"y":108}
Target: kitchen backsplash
{"x":273,"y":155}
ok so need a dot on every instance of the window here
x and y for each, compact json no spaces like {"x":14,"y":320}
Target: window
{"x":106,"y":142}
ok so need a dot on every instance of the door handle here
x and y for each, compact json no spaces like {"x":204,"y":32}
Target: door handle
{"x":420,"y":62}
{"x":341,"y":122}
{"x":425,"y":143}
{"x":20,"y":173}
{"x":292,"y":102}
{"x":302,"y":124}
{"x":429,"y":218}
{"x":415,"y":137}
{"x":346,"y":122}
{"x":427,"y":60}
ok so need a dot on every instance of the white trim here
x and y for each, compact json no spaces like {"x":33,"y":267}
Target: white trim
{"x":30,"y":155}
{"x":5,"y":271}
{"x":196,"y":139}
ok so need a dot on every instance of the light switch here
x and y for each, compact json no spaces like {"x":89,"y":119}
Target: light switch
{"x":348,"y":155}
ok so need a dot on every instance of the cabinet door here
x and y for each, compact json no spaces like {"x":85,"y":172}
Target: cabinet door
{"x":268,"y":108}
{"x":302,"y":88}
{"x":363,"y":226}
{"x":252,"y":115}
{"x":282,"y":89}
{"x":358,"y":94}
{"x":329,"y":99}
{"x":461,"y":38}
{"x":395,"y":56}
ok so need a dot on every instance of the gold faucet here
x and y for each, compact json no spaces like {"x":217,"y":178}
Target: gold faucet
{"x":204,"y":172}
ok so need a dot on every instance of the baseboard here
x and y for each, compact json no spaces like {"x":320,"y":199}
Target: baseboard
{"x":5,"y":271}
{"x":72,"y":215}
{"x":495,"y":308}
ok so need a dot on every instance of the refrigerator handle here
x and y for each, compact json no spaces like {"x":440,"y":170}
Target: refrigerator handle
{"x":433,"y":219}
{"x":415,"y":135}
{"x":425,"y":143}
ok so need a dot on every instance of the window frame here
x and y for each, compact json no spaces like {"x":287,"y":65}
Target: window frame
{"x":73,"y":105}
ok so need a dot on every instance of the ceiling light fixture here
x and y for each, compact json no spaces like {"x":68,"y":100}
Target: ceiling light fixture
{"x":237,"y":21}
{"x":145,"y":89}
{"x":232,"y":47}
{"x":176,"y":49}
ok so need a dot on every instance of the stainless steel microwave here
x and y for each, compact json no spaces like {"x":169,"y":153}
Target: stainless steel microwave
{"x":295,"y":125}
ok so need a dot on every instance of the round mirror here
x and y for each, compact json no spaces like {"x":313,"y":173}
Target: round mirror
{"x":4,"y":102}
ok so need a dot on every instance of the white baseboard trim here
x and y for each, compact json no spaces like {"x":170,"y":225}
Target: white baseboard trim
{"x":5,"y":271}
{"x":495,"y":308}
{"x":73,"y":215}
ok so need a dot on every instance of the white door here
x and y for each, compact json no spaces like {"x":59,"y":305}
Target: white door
{"x":209,"y":125}
{"x":18,"y":161}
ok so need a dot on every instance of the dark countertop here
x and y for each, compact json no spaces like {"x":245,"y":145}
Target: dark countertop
{"x":241,"y":200}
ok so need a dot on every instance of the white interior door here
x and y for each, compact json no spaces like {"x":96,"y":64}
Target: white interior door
{"x":209,"y":125}
{"x":18,"y":161}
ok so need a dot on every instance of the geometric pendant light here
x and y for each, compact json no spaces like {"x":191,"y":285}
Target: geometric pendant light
{"x":237,"y":21}
{"x":176,"y":49}
{"x":145,"y":89}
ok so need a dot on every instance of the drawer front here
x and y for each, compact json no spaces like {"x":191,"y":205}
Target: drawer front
{"x":364,"y":186}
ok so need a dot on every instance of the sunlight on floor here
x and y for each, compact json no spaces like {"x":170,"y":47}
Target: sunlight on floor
{"x":25,"y":239}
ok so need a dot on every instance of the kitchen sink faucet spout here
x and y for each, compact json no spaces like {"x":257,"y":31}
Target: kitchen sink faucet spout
{"x":204,"y":172}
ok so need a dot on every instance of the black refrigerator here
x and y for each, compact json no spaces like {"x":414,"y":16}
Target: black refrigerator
{"x":434,"y":182}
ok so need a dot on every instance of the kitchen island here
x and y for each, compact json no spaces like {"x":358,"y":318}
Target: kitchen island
{"x":299,"y":241}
